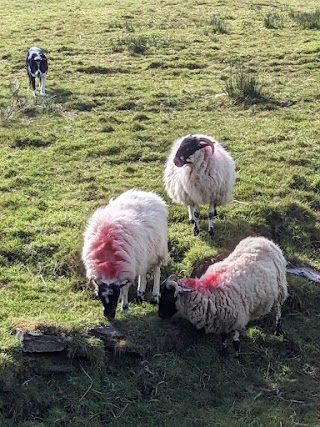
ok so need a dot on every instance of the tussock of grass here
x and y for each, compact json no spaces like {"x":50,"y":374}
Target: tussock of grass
{"x":273,"y":21}
{"x":307,"y":20}
{"x":218,"y":25}
{"x":244,"y":87}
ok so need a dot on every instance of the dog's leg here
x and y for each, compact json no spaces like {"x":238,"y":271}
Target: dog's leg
{"x":33,"y":84}
{"x":43,"y":84}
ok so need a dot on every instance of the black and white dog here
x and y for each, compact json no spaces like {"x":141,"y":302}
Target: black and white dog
{"x":37,"y":67}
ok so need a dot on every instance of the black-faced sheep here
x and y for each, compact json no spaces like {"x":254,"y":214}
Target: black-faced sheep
{"x":199,"y":171}
{"x":243,"y":287}
{"x":122,"y":241}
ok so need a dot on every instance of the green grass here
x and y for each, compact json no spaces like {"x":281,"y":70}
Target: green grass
{"x":125,"y":80}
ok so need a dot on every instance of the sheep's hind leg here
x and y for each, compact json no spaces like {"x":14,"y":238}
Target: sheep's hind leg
{"x":211,"y":214}
{"x":141,"y":291}
{"x":194,"y":215}
{"x":278,"y":330}
{"x":156,"y":285}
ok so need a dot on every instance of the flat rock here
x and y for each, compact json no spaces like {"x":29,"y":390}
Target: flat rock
{"x":106,"y":332}
{"x":38,"y":342}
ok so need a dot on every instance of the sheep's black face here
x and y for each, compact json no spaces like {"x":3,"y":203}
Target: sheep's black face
{"x":167,"y":303}
{"x":189,"y":145}
{"x":109,"y":295}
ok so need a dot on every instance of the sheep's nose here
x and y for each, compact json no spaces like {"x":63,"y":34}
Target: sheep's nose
{"x":178,"y":162}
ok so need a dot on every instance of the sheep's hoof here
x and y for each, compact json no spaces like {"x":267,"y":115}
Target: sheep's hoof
{"x":154,"y":300}
{"x":125,"y":309}
{"x":196,"y":231}
{"x":141,"y":297}
{"x":211,"y":232}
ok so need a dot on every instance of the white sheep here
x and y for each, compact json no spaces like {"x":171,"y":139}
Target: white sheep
{"x":199,"y":171}
{"x":122,"y":241}
{"x":243,"y":287}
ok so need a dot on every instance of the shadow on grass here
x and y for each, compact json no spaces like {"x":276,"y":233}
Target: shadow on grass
{"x":59,"y":94}
{"x":177,"y":363}
{"x":291,"y":223}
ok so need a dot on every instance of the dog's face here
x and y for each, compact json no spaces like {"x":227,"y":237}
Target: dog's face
{"x":37,"y":62}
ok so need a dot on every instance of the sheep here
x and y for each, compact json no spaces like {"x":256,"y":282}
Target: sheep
{"x":122,"y":241}
{"x":243,"y":287}
{"x":199,"y":171}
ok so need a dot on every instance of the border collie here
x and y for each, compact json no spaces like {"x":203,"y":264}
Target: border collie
{"x":37,"y":67}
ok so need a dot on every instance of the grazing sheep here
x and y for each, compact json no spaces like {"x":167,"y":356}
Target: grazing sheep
{"x":199,"y":171}
{"x":244,"y":286}
{"x":123,"y":240}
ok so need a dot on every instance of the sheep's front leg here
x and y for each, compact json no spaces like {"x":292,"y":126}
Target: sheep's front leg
{"x":194,"y":215}
{"x":278,"y":330}
{"x":211,"y":214}
{"x":236,"y":343}
{"x":124,"y":291}
{"x":141,"y":291}
{"x":156,"y":285}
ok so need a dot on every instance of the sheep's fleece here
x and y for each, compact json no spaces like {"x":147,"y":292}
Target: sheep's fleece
{"x":245,"y":286}
{"x":208,"y":178}
{"x":126,"y":237}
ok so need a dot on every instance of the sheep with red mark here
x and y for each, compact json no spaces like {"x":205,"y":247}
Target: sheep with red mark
{"x":243,"y":287}
{"x":122,"y":241}
{"x":199,"y":171}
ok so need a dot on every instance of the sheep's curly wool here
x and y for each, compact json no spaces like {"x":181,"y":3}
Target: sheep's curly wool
{"x":243,"y":287}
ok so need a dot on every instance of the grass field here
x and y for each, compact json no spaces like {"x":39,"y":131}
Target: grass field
{"x":126,"y":79}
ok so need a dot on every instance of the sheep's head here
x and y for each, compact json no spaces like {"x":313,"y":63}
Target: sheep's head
{"x":109,"y":294}
{"x":168,"y":297}
{"x":189,"y":145}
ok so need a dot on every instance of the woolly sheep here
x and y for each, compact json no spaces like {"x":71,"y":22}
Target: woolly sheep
{"x":199,"y":171}
{"x":243,"y":287}
{"x":123,"y":240}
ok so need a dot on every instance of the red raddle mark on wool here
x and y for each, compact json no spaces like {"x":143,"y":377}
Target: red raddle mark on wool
{"x":211,"y":281}
{"x":106,"y":254}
